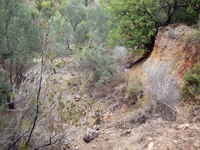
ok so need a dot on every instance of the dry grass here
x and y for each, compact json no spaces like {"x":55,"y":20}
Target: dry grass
{"x":159,"y":134}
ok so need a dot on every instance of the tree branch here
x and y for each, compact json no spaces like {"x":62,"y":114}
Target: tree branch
{"x":40,"y":84}
{"x":18,"y":139}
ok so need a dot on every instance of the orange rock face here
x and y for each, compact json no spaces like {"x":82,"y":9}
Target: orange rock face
{"x":174,"y":49}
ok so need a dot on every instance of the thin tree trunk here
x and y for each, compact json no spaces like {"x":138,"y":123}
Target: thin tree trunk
{"x":40,"y":84}
{"x":11,"y":59}
{"x":86,"y":3}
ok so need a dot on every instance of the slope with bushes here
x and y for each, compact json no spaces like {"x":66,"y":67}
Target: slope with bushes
{"x":67,"y":85}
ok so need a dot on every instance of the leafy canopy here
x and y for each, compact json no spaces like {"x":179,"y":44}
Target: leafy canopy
{"x":136,"y":22}
{"x":18,"y":37}
{"x":84,"y":31}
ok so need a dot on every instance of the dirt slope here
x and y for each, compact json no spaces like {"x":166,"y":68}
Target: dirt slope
{"x":117,"y":128}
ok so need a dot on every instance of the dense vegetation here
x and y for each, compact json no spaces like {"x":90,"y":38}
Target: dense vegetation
{"x":191,"y":89}
{"x":136,"y":22}
{"x":83,"y":31}
{"x":39,"y":31}
{"x":19,"y":42}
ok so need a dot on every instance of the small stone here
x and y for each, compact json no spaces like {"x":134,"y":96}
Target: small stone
{"x":96,"y":127}
{"x":151,"y":145}
{"x":107,"y":139}
{"x":77,"y":97}
{"x":90,"y":135}
{"x":150,"y":140}
{"x":185,"y":126}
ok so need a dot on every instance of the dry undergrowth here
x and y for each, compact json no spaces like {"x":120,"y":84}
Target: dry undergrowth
{"x":165,"y":135}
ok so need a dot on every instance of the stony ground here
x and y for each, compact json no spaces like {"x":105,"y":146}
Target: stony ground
{"x":116,"y":132}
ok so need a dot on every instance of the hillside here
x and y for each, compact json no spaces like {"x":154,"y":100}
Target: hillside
{"x":135,"y":126}
{"x":99,"y":74}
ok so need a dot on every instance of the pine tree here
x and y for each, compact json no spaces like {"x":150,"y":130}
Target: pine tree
{"x":19,"y":38}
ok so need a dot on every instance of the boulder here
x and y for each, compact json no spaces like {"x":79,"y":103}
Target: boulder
{"x":90,"y":135}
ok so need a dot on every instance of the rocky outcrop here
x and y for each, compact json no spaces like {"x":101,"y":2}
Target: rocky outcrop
{"x":172,"y":56}
{"x":174,"y":50}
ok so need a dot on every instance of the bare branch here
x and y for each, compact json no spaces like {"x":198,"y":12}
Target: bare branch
{"x":40,"y":84}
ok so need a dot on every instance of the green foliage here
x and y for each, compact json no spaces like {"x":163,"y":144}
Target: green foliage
{"x":100,"y":60}
{"x":61,"y":104}
{"x":39,"y":5}
{"x":79,"y":26}
{"x":84,"y":30}
{"x":62,"y":2}
{"x":191,"y":89}
{"x":47,"y":8}
{"x":75,"y":15}
{"x":136,"y":22}
{"x":97,"y":118}
{"x":18,"y":38}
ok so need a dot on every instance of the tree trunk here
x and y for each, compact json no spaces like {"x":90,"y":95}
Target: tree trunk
{"x":11,"y":59}
{"x":86,"y":3}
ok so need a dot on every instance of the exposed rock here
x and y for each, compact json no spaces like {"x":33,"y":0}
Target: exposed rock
{"x":151,"y":144}
{"x":163,"y":70}
{"x":77,"y":97}
{"x":134,"y":58}
{"x":185,"y":126}
{"x":170,"y":50}
{"x":90,"y":135}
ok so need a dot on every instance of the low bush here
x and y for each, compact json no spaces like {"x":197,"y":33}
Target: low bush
{"x":162,"y":91}
{"x":135,"y":91}
{"x":99,"y":60}
{"x":191,"y":88}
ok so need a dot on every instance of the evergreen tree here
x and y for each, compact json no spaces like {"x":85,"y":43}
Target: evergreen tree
{"x":136,"y":22}
{"x":85,"y":30}
{"x":19,"y":38}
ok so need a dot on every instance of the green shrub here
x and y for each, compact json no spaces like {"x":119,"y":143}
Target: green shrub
{"x":97,"y":118}
{"x":100,"y":61}
{"x":191,"y":89}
